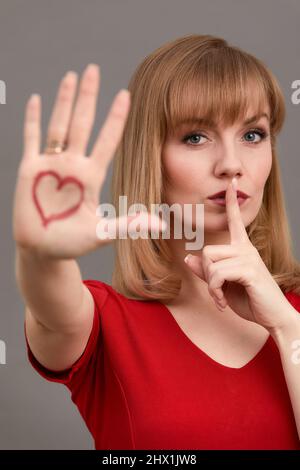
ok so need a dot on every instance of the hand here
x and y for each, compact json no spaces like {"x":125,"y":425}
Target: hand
{"x":57,"y":195}
{"x":237,"y":276}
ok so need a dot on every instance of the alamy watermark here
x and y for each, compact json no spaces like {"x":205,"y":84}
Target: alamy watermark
{"x":295,"y":97}
{"x":185,"y":216}
{"x":2,"y":92}
{"x":296,"y":354}
{"x":2,"y":352}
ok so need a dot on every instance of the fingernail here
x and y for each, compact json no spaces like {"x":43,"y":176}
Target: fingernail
{"x":34,"y":98}
{"x":92,"y":68}
{"x":186,"y":259}
{"x":123,"y":92}
{"x":234,"y":183}
{"x":70,"y":74}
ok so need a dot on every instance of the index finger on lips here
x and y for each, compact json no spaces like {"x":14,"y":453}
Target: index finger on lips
{"x":235,"y":222}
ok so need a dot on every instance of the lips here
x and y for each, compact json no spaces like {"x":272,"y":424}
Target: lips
{"x":222,"y":194}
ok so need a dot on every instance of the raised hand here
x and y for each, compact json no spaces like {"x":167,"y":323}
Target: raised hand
{"x":57,"y":194}
{"x":237,"y":276}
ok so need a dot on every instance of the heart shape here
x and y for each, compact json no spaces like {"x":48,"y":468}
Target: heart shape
{"x":61,"y":182}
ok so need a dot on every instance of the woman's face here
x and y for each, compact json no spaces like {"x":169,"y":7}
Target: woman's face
{"x":200,"y":162}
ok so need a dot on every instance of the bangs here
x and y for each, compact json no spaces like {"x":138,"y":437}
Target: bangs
{"x":220,"y":89}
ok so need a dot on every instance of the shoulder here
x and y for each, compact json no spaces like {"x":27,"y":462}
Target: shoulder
{"x":104,"y":295}
{"x":102,"y":292}
{"x":118,"y":313}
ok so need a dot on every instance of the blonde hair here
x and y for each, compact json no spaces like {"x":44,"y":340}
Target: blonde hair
{"x":170,"y":86}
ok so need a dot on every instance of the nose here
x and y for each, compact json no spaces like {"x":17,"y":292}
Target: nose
{"x":228,"y":159}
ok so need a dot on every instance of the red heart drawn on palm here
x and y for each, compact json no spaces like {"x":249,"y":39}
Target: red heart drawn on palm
{"x":57,"y":206}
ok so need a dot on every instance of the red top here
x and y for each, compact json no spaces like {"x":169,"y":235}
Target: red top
{"x":141,"y":383}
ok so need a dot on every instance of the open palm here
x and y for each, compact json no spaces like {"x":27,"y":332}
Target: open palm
{"x":57,"y":195}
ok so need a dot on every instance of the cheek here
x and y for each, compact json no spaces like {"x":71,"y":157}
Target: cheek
{"x":258,"y":174}
{"x":183,"y":174}
{"x":260,"y":170}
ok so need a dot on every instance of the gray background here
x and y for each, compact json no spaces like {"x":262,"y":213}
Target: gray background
{"x":39,"y":41}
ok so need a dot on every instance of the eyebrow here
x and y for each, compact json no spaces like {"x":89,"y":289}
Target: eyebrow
{"x":255,"y":118}
{"x":202,"y":121}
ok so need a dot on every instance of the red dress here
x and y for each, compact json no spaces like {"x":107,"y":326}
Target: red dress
{"x":141,"y":383}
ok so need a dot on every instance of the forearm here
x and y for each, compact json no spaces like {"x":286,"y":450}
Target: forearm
{"x":52,"y":289}
{"x":288,"y":342}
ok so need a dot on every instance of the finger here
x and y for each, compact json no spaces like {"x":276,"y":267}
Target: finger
{"x":222,"y":272}
{"x":235,"y":222}
{"x":61,"y":114}
{"x":85,"y":108}
{"x":207,"y":261}
{"x":218,"y":252}
{"x":195,"y":264}
{"x":112,"y":130}
{"x":227,"y":272}
{"x":199,"y":266}
{"x":32,"y":126}
{"x":221,"y":304}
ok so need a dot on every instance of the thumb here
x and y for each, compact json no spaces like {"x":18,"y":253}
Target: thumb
{"x":125,"y":226}
{"x":195,"y":264}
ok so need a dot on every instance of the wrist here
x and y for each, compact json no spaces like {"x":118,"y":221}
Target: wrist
{"x":31,"y":253}
{"x":40,"y":253}
{"x":289,"y":329}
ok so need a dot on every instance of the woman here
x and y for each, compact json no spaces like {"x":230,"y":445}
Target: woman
{"x":173,"y":355}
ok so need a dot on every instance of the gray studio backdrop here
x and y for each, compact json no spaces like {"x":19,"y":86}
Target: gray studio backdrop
{"x":39,"y":41}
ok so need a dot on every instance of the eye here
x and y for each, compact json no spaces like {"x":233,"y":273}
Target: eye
{"x":194,"y":137}
{"x":191,"y":136}
{"x":260,"y":132}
